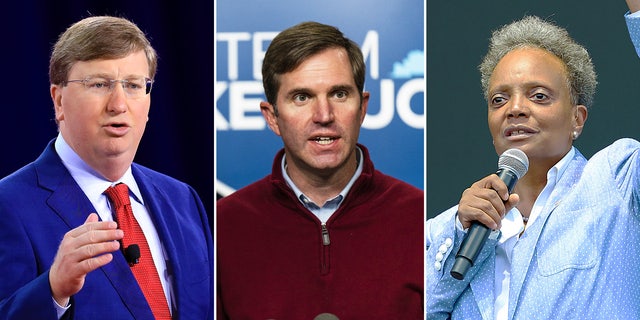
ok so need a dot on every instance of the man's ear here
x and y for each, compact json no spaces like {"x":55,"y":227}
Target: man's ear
{"x":270,"y":114}
{"x":56,"y":97}
{"x":364,"y":104}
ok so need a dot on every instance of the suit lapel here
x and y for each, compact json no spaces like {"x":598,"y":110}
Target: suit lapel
{"x":67,"y":199}
{"x":526,"y":246}
{"x":69,"y":202}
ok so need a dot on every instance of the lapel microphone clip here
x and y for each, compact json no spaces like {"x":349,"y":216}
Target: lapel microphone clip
{"x":132,"y":254}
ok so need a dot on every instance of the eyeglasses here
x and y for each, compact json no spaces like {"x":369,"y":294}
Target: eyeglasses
{"x":133,"y":88}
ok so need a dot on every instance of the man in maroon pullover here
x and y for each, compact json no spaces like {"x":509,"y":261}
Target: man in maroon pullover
{"x":325,"y":235}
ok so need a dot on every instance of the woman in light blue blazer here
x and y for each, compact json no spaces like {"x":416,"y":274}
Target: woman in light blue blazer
{"x":566,"y":243}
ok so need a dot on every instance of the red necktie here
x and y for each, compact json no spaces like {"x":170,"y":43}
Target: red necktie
{"x":145,"y":271}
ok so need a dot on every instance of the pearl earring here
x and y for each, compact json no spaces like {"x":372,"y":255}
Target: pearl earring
{"x":575,"y":135}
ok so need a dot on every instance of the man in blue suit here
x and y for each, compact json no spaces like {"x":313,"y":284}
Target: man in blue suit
{"x":60,"y":244}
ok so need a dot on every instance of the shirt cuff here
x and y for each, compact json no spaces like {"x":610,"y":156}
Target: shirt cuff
{"x":60,"y":310}
{"x":459,"y":226}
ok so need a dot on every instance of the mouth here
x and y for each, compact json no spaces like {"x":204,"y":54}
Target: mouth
{"x":514,"y":132}
{"x":324,"y":140}
{"x":116,"y":129}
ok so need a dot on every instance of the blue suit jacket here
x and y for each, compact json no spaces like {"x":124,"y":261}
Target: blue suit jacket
{"x":41,"y":202}
{"x":578,"y":260}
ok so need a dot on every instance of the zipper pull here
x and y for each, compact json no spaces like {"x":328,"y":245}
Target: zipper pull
{"x":325,"y":235}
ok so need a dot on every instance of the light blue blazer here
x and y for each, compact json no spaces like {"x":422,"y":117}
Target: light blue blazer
{"x":580,"y":259}
{"x":633,"y":24}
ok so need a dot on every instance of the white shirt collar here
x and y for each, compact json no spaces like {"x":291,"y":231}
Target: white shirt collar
{"x":92,"y":183}
{"x":512,"y":223}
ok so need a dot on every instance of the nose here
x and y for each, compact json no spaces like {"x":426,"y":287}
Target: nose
{"x":518,"y":107}
{"x":117,"y":102}
{"x":323,"y":111}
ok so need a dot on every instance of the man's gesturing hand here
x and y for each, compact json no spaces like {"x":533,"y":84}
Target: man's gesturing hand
{"x":81,"y":251}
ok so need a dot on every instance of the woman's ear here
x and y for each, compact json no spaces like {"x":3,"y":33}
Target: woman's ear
{"x":579,"y":120}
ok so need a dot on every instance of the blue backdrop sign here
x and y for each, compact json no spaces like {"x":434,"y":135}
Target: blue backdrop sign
{"x":391,"y":36}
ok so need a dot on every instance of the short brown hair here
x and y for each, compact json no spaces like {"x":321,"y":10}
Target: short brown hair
{"x":294,"y":45}
{"x":99,"y":37}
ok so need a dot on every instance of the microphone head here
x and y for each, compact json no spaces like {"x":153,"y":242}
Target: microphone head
{"x":515,"y":161}
{"x":132,"y":253}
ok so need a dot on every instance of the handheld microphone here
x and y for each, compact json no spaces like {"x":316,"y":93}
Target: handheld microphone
{"x":512,"y":165}
{"x":132,"y":254}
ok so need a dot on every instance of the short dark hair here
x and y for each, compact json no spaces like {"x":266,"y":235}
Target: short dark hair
{"x":294,"y":45}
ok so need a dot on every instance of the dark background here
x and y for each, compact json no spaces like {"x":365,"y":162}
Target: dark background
{"x":459,"y":149}
{"x":178,"y":140}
